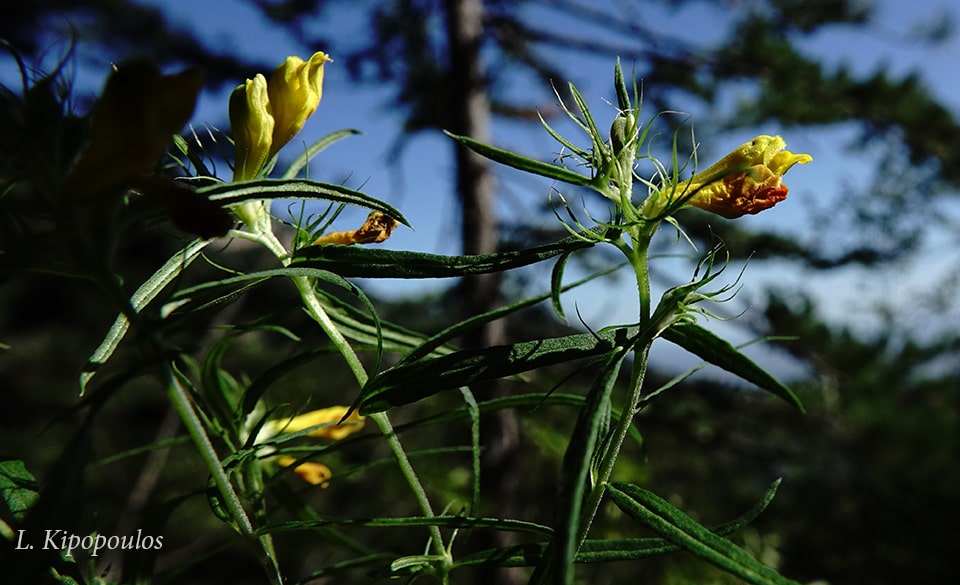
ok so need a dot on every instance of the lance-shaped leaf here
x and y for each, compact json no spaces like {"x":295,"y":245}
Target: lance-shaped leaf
{"x":140,"y":299}
{"x":240,"y":191}
{"x":587,"y":434}
{"x":512,"y":159}
{"x":414,"y":381}
{"x":707,"y":346}
{"x":603,"y":551}
{"x":657,"y":514}
{"x":357,"y":261}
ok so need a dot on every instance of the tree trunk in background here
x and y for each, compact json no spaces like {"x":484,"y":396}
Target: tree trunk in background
{"x":470,"y":116}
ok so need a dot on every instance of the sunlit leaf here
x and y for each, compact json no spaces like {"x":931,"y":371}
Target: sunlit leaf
{"x":717,"y":351}
{"x":361,"y":261}
{"x":414,"y":381}
{"x":512,"y":159}
{"x":140,"y":299}
{"x":574,"y":474}
{"x":240,"y":191}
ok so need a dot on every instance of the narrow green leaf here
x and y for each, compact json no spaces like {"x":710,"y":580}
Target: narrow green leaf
{"x":413,"y":521}
{"x":603,"y":551}
{"x":512,"y":159}
{"x":574,"y":473}
{"x":623,"y":95}
{"x":474,"y":409}
{"x":361,"y":261}
{"x":317,"y":147}
{"x":563,"y":141}
{"x":238,"y":192}
{"x":591,"y":125}
{"x":414,"y":381}
{"x":659,"y":515}
{"x":359,"y":326}
{"x":711,"y":348}
{"x":556,"y":285}
{"x":140,"y":299}
{"x":437,"y":340}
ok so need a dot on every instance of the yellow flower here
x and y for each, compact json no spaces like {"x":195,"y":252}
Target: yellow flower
{"x":747,"y":180}
{"x":324,"y":423}
{"x":312,"y":473}
{"x":252,"y":124}
{"x":131,"y":125}
{"x":265,"y":115}
{"x":295,"y":90}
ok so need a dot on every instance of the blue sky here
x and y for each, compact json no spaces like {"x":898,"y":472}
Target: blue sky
{"x":419,"y":180}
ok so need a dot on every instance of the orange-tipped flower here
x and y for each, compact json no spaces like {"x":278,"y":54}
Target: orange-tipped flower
{"x":747,"y":180}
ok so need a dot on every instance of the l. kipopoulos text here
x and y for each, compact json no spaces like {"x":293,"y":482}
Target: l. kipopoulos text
{"x":91,"y":543}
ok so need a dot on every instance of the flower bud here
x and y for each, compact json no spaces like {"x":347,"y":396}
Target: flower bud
{"x":252,"y":124}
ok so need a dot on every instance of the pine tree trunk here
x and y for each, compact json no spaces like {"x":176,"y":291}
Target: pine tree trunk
{"x":470,"y":116}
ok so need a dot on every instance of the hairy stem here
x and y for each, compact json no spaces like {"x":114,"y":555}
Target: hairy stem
{"x":317,"y":313}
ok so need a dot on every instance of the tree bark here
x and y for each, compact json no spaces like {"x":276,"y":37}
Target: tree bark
{"x":475,"y":183}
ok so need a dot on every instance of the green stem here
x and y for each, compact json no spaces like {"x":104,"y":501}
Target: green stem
{"x":383,"y":422}
{"x":637,"y":255}
{"x":180,"y":399}
{"x":184,"y":407}
{"x":182,"y":403}
{"x":316,"y":311}
{"x":592,"y":505}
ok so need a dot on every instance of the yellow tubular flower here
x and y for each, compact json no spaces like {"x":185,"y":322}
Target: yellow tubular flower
{"x":747,"y":180}
{"x":312,"y":473}
{"x":323,"y":423}
{"x":132,"y":124}
{"x":252,"y":124}
{"x":295,"y":89}
{"x":329,"y":418}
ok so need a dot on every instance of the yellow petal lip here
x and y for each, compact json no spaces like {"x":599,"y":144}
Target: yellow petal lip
{"x":295,"y":89}
{"x":327,"y":421}
{"x":312,"y":473}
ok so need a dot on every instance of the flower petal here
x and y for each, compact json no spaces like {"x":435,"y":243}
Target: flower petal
{"x":295,"y":88}
{"x":312,"y":473}
{"x":252,"y":125}
{"x":132,"y":124}
{"x":327,"y":421}
{"x":747,"y":180}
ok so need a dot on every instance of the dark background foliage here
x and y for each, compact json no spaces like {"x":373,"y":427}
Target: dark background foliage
{"x":869,"y":470}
